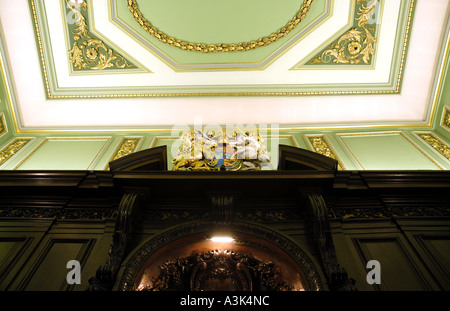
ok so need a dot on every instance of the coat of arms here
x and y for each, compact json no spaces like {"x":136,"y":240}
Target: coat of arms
{"x":218,"y":150}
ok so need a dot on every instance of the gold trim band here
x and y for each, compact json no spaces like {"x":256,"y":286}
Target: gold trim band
{"x":221,"y":47}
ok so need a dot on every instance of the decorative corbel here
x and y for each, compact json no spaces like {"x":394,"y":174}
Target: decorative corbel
{"x":318,"y":216}
{"x":127,"y":218}
{"x":222,"y":206}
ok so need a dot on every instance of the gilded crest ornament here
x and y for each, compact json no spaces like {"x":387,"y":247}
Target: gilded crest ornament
{"x":217,"y":150}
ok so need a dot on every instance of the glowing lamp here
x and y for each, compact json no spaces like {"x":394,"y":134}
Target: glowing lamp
{"x":222,"y":239}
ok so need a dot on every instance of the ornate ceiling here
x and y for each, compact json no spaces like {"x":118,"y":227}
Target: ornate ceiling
{"x":145,"y":65}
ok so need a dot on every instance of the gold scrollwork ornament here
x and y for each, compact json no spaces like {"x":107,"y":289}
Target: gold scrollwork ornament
{"x":88,"y":52}
{"x":356,"y":45}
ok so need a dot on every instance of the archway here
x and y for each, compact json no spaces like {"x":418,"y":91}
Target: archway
{"x":187,"y":258}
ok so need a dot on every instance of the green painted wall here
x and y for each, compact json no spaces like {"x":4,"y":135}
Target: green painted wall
{"x":390,"y":149}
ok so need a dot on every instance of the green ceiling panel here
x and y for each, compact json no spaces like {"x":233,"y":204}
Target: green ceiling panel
{"x":208,"y":21}
{"x":387,"y":151}
{"x":64,"y":154}
{"x":213,"y":22}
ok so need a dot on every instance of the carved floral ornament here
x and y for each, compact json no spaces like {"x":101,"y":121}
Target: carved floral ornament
{"x":221,"y":47}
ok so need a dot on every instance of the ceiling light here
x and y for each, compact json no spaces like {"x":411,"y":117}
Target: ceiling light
{"x":222,"y":239}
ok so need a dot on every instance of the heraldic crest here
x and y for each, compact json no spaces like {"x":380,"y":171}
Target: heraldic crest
{"x":221,"y":151}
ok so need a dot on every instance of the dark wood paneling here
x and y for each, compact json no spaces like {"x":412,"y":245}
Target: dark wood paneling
{"x":49,"y":270}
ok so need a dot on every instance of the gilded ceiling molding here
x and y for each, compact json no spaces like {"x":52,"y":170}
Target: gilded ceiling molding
{"x":446,"y":118}
{"x":12,"y":148}
{"x":88,"y":52}
{"x":126,"y":147}
{"x":356,"y":45}
{"x":3,"y":128}
{"x":436,"y":143}
{"x":321,"y":146}
{"x":221,"y":47}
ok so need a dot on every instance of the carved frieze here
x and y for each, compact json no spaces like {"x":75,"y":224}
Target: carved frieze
{"x":255,"y":215}
{"x":361,"y":213}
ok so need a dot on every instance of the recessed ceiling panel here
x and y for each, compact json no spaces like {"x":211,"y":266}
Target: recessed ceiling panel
{"x":362,"y":62}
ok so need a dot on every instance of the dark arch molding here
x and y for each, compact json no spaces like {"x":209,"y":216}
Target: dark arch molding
{"x":131,"y":268}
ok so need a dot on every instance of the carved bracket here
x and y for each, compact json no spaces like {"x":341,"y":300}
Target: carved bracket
{"x":127,"y":218}
{"x":222,"y":206}
{"x":318,"y":216}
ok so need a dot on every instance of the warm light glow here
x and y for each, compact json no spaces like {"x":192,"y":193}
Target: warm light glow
{"x":222,"y":239}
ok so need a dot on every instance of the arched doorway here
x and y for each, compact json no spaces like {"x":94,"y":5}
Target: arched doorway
{"x":188,"y":258}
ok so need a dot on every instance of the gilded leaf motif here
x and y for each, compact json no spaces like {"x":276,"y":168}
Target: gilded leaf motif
{"x":356,"y":45}
{"x":87,"y":51}
{"x":12,"y":148}
{"x":436,"y":143}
